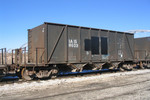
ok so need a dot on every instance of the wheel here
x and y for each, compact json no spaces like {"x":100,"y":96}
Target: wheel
{"x":25,"y":74}
{"x":148,"y":66}
{"x":54,"y":72}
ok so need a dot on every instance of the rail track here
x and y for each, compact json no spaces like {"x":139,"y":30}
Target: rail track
{"x":14,"y":79}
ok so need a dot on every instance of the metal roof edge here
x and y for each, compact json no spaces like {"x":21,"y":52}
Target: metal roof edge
{"x":88,"y":27}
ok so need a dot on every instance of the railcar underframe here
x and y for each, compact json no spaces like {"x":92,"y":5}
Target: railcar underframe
{"x":29,"y":71}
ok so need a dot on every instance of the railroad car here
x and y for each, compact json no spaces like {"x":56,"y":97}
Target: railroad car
{"x":142,"y":50}
{"x":53,"y":48}
{"x":3,"y":62}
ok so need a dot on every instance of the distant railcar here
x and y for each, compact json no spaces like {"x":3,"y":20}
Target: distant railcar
{"x":142,"y":50}
{"x":3,"y":62}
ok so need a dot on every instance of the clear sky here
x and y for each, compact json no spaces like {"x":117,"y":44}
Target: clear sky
{"x":16,"y":16}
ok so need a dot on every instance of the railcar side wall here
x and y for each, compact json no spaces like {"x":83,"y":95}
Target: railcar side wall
{"x":142,"y":48}
{"x":75,"y":44}
{"x":36,"y":46}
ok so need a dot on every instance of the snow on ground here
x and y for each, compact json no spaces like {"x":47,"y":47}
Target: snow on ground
{"x":43,"y":84}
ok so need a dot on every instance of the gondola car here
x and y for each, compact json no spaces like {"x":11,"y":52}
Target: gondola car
{"x":54,"y":48}
{"x":142,"y":51}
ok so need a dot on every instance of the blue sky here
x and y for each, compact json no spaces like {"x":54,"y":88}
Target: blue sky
{"x":16,"y":16}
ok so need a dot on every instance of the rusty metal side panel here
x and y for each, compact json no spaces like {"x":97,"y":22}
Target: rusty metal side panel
{"x":104,"y":33}
{"x":56,"y":43}
{"x":95,"y":45}
{"x":85,"y":44}
{"x":73,"y":44}
{"x":112,"y":46}
{"x":36,"y":40}
{"x":120,"y":46}
{"x":142,"y":48}
{"x":128,"y":47}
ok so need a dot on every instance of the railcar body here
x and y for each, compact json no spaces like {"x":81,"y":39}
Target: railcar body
{"x":142,"y":50}
{"x":53,"y":47}
{"x":3,"y":62}
{"x":52,"y":43}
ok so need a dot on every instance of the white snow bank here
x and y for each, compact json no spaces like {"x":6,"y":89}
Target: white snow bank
{"x":43,"y":84}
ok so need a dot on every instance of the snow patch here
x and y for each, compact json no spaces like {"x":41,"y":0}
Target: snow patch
{"x":43,"y":84}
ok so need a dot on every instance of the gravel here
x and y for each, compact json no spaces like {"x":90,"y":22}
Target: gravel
{"x":86,"y":87}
